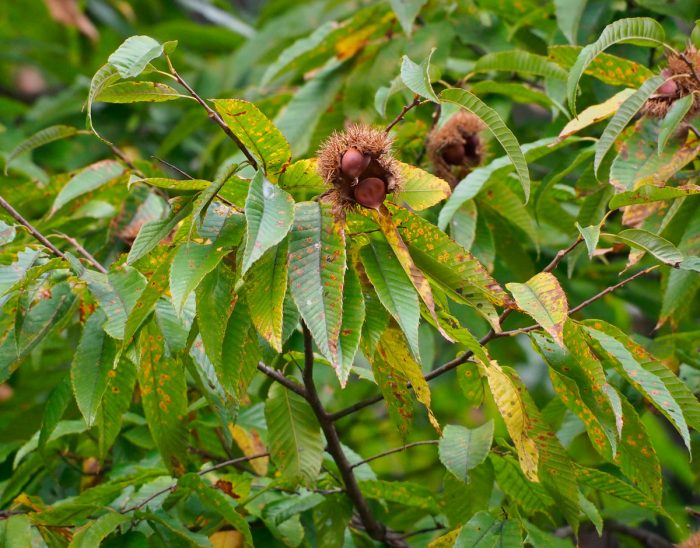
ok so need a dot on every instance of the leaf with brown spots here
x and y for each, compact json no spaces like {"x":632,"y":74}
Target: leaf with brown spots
{"x":383,"y":218}
{"x":257,"y":132}
{"x":351,"y":327}
{"x":249,"y":441}
{"x":543,"y":298}
{"x":316,"y":274}
{"x":164,"y":397}
{"x":215,"y":500}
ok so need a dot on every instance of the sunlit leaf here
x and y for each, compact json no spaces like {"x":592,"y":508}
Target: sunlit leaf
{"x":133,"y":92}
{"x":659,"y":247}
{"x":316,"y":271}
{"x":89,"y":179}
{"x":607,"y":68}
{"x":673,"y":118}
{"x":595,"y":113}
{"x":257,"y":133}
{"x":543,"y":298}
{"x":419,"y":189}
{"x":417,"y":77}
{"x":269,"y":214}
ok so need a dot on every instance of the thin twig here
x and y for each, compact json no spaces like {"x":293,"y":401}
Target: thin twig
{"x":84,"y":252}
{"x":374,"y":529}
{"x":33,"y":231}
{"x":213,"y":468}
{"x":173,"y":167}
{"x":416,"y":101}
{"x":394,"y":450}
{"x":213,"y":115}
{"x":691,"y":66}
{"x":119,"y":153}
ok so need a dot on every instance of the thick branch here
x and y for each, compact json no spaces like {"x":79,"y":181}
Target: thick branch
{"x":374,"y":529}
{"x":213,"y":115}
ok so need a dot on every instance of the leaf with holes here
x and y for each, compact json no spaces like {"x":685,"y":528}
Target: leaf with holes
{"x":543,"y":298}
{"x":462,"y":449}
{"x":636,"y":29}
{"x":257,"y":133}
{"x":497,"y":126}
{"x":266,"y":286}
{"x":269,"y":211}
{"x":164,"y":397}
{"x":294,"y":436}
{"x":316,"y":270}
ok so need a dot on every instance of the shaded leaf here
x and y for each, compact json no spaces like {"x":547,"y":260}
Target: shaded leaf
{"x":164,"y":397}
{"x":462,"y":449}
{"x":294,"y":436}
{"x":406,"y":12}
{"x":496,"y":125}
{"x":87,"y":180}
{"x":40,"y":138}
{"x":637,"y":29}
{"x":519,"y":61}
{"x":94,"y":532}
{"x":659,"y":247}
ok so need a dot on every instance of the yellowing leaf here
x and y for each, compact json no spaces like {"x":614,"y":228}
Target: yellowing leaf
{"x":543,"y":298}
{"x":251,"y":444}
{"x":257,"y":132}
{"x":511,"y":408}
{"x":595,"y":113}
{"x":420,"y":189}
{"x":392,"y":349}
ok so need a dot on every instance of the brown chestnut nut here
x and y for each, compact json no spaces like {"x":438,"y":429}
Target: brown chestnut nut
{"x":370,"y":192}
{"x":353,"y":163}
{"x":453,"y":154}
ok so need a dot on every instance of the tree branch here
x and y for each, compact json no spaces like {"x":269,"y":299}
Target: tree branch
{"x":213,"y":115}
{"x":373,"y":528}
{"x":84,"y":252}
{"x":280,"y":378}
{"x":394,"y":450}
{"x":17,"y":216}
{"x":416,"y":101}
{"x":224,"y":464}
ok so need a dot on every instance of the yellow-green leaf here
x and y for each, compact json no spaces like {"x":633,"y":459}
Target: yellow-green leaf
{"x":543,"y":298}
{"x":421,"y":190}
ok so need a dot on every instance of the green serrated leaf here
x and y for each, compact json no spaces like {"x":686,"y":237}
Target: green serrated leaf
{"x":294,"y":436}
{"x":164,"y":396}
{"x":316,"y":271}
{"x":496,"y":125}
{"x":351,"y":326}
{"x":417,"y":77}
{"x":659,"y":247}
{"x":634,"y":29}
{"x":87,"y":180}
{"x":190,"y":264}
{"x":543,"y":298}
{"x":134,"y":92}
{"x":269,"y":212}
{"x":519,"y":61}
{"x":673,"y":118}
{"x":622,"y":117}
{"x":91,"y":366}
{"x":462,"y":449}
{"x":132,"y":56}
{"x":95,"y":531}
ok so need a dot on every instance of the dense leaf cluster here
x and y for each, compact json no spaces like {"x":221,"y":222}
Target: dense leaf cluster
{"x":199,"y":346}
